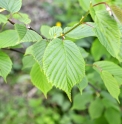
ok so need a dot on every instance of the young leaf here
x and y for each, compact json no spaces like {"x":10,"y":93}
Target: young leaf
{"x":113,"y":116}
{"x":8,"y":38}
{"x":28,"y":62}
{"x":81,"y":31}
{"x":40,"y":80}
{"x":96,"y":109}
{"x":55,"y":31}
{"x":5,"y":65}
{"x":11,"y":5}
{"x":45,"y":31}
{"x":26,"y":35}
{"x":117,"y":12}
{"x":108,"y":32}
{"x":111,"y":84}
{"x":22,"y":17}
{"x":63,"y":64}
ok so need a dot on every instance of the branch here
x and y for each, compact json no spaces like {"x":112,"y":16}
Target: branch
{"x":30,"y":28}
{"x":81,"y":22}
{"x":101,"y":3}
{"x":15,"y":50}
{"x":97,"y":90}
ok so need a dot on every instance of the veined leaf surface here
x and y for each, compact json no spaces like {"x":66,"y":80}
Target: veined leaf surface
{"x":63,"y":64}
{"x":39,"y":79}
{"x":5,"y":65}
{"x":11,"y":5}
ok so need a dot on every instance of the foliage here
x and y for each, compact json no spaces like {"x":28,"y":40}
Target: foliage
{"x":60,"y":58}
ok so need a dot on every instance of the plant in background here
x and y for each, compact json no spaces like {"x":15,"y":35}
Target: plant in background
{"x":55,"y":60}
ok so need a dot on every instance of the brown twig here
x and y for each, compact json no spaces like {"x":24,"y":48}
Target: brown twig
{"x":15,"y":50}
{"x":30,"y":28}
{"x":97,"y":90}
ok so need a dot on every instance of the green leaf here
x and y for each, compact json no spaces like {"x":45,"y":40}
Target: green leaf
{"x":80,"y":101}
{"x":45,"y":31}
{"x":63,"y":64}
{"x":28,"y":62}
{"x":21,"y":30}
{"x":26,"y":35}
{"x":8,"y":38}
{"x":109,"y":104}
{"x":108,"y":32}
{"x":96,"y":109}
{"x":11,"y":5}
{"x":85,"y":4}
{"x":82,"y":84}
{"x":81,"y":31}
{"x":40,"y":80}
{"x":55,"y":31}
{"x":29,"y":51}
{"x":3,"y":19}
{"x":22,"y":17}
{"x":37,"y":51}
{"x":120,"y":53}
{"x":111,"y":67}
{"x":5,"y":65}
{"x":111,"y":84}
{"x":117,"y":12}
{"x":98,"y":51}
{"x":83,"y":52}
{"x":113,"y":116}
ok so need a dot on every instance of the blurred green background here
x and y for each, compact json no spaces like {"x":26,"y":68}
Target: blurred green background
{"x":22,"y":103}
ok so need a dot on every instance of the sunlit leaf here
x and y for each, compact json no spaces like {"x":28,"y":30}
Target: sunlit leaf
{"x":11,"y":5}
{"x":55,"y":31}
{"x":37,"y":51}
{"x":111,"y":84}
{"x":108,"y":32}
{"x":28,"y":62}
{"x":8,"y":38}
{"x":81,"y":31}
{"x":111,"y":67}
{"x":45,"y":31}
{"x":22,"y":17}
{"x":63,"y":64}
{"x":39,"y":79}
{"x":5,"y":65}
{"x":26,"y":35}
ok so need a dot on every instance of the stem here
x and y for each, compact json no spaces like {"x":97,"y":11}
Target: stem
{"x":81,"y":21}
{"x":88,"y":24}
{"x":101,"y":3}
{"x":15,"y":50}
{"x":84,"y":17}
{"x":97,"y":90}
{"x":30,"y":28}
